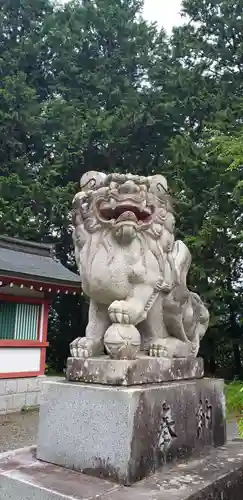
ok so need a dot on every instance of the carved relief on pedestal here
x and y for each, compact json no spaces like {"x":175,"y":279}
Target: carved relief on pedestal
{"x":204,"y":417}
{"x":133,"y":270}
{"x":167,"y":429}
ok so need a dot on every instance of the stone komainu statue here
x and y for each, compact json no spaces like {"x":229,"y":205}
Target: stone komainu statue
{"x":132,"y":268}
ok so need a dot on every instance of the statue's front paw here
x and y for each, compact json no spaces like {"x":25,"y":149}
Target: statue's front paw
{"x":86,"y":348}
{"x":170,"y":347}
{"x":125,"y":312}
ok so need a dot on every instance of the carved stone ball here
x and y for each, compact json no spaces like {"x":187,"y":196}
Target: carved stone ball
{"x":122,"y":341}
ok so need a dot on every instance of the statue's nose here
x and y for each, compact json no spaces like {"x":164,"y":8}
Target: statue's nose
{"x":129,"y":187}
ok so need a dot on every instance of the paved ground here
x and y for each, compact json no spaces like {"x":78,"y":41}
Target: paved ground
{"x":218,"y":473}
{"x":18,"y":430}
{"x":232,"y":430}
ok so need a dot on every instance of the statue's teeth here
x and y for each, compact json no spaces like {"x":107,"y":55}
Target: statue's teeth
{"x":128,"y":215}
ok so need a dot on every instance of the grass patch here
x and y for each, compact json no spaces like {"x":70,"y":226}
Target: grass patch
{"x":50,"y":372}
{"x":234,"y":403}
{"x":234,"y":399}
{"x":26,"y":408}
{"x":54,"y":374}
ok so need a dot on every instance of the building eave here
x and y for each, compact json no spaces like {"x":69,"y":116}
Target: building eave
{"x":27,"y":280}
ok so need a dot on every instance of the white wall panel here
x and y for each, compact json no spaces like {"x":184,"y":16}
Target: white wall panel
{"x":19,"y":359}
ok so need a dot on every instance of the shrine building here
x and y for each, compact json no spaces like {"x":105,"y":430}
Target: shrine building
{"x":30,"y":277}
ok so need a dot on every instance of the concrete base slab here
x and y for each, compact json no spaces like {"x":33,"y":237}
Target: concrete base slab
{"x":125,"y":433}
{"x":217,"y":476}
{"x":143,"y":370}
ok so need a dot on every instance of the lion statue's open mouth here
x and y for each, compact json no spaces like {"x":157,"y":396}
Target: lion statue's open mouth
{"x":125,"y":202}
{"x":125,"y":211}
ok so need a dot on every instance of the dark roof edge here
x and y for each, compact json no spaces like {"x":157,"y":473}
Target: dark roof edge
{"x":38,"y":279}
{"x":44,"y":249}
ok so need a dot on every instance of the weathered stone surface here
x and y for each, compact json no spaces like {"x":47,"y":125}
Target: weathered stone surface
{"x":133,"y":270}
{"x":126,"y":433}
{"x":144,"y":370}
{"x":216,"y":476}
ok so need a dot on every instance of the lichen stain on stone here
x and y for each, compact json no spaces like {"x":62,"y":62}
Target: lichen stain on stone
{"x":103,"y":469}
{"x":144,"y":453}
{"x":143,"y":371}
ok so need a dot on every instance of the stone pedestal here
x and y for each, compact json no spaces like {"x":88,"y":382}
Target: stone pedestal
{"x":143,"y":370}
{"x":124,"y":433}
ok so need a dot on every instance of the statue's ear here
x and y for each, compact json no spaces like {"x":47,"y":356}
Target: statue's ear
{"x":158,"y":184}
{"x":92,"y":180}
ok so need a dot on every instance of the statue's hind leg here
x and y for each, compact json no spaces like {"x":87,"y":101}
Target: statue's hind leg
{"x":177,"y":344}
{"x":157,"y":340}
{"x":153,"y":329}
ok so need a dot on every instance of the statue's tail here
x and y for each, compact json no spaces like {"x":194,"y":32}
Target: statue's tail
{"x":182,"y":259}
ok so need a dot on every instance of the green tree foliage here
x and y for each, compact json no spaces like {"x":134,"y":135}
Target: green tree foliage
{"x":102,"y":116}
{"x":91,"y":85}
{"x":209,"y":48}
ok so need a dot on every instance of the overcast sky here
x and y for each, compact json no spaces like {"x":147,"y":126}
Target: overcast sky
{"x":165,"y":12}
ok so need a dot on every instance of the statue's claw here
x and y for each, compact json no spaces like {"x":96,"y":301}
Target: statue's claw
{"x":125,"y":312}
{"x":118,"y":312}
{"x":158,"y":350}
{"x":170,"y":347}
{"x":86,"y":348}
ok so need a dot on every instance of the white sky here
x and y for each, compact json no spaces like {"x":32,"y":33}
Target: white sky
{"x":165,"y":12}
